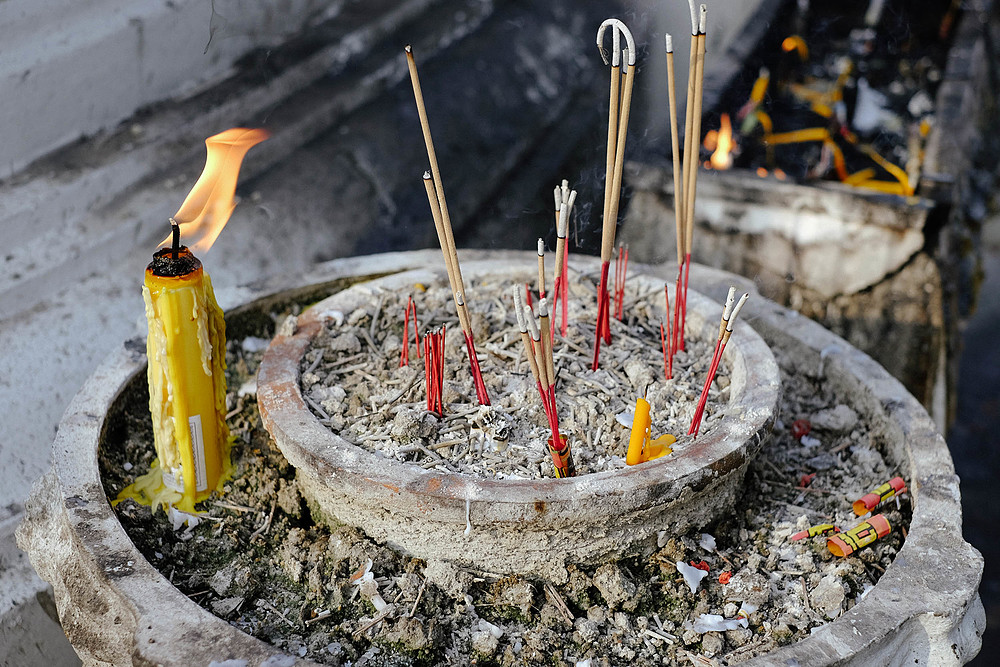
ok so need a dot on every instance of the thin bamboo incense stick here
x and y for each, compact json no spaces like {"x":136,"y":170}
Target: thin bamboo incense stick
{"x":536,"y":345}
{"x":442,"y":222}
{"x":675,"y":151}
{"x":470,"y":345}
{"x":700,"y":411}
{"x":669,"y":362}
{"x":729,"y":315}
{"x":561,"y":286}
{"x":449,"y":259}
{"x":692,"y":143}
{"x":565,"y":260}
{"x":628,"y":78}
{"x":560,"y":252}
{"x":541,"y":269}
{"x":529,"y":352}
{"x":617,"y":129}
{"x":699,"y":90}
{"x":543,"y":324}
{"x":559,"y":449}
{"x":689,"y":122}
{"x":608,"y":231}
{"x":543,"y":383}
{"x":723,"y":321}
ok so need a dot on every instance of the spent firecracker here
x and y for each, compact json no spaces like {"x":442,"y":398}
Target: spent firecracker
{"x":870,"y":501}
{"x":562,"y":457}
{"x":866,"y":532}
{"x":815,"y":531}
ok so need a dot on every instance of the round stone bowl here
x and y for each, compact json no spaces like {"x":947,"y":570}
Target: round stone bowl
{"x":518,"y":526}
{"x":118,"y":610}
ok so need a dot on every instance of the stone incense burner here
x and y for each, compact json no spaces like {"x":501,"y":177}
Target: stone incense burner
{"x":117,"y":609}
{"x":518,"y":526}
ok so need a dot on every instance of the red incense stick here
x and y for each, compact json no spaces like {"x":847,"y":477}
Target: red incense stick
{"x":663,"y":344}
{"x":539,"y":354}
{"x":434,"y":370}
{"x":678,"y":305}
{"x":669,"y":361}
{"x":603,"y":327}
{"x":729,"y":321}
{"x":404,"y":357}
{"x":621,"y":270}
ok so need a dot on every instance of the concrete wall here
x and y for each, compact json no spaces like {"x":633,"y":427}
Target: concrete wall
{"x":71,"y":68}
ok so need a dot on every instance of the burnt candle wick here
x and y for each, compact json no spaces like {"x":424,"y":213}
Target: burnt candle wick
{"x":176,"y":246}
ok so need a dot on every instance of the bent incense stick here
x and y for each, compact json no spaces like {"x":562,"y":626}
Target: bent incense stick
{"x":621,"y":80}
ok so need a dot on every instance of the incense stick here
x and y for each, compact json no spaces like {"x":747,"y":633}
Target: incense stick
{"x":675,"y":152}
{"x":692,"y":139}
{"x":628,"y":77}
{"x":561,"y":287}
{"x":533,"y":347}
{"x":730,"y":313}
{"x":699,"y":90}
{"x":522,"y":326}
{"x":446,"y":237}
{"x":689,"y":124}
{"x":608,"y":230}
{"x":434,"y":370}
{"x":449,"y":258}
{"x":541,"y":269}
{"x":617,"y":131}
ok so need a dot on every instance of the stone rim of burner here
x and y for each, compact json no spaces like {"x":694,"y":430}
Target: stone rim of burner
{"x":517,"y":526}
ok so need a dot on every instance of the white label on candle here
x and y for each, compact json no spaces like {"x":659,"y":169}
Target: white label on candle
{"x":198,"y":452}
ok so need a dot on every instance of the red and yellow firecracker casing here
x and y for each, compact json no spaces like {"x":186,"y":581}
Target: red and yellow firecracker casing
{"x":186,"y":347}
{"x":562,"y":457}
{"x":870,"y":501}
{"x":815,"y":531}
{"x":844,"y":544}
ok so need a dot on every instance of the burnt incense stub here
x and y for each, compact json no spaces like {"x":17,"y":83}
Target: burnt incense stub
{"x":516,"y":524}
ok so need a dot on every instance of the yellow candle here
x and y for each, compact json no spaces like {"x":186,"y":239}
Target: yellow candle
{"x":187,"y":385}
{"x":186,"y":345}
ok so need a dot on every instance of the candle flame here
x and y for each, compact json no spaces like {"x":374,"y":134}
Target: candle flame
{"x":207,"y":208}
{"x":722,"y":157}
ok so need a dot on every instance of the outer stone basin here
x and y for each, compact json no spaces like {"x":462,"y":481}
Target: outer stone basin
{"x":518,"y":526}
{"x":117,"y":609}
